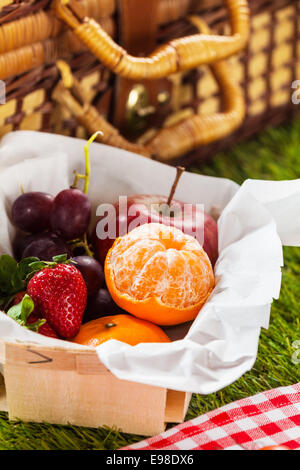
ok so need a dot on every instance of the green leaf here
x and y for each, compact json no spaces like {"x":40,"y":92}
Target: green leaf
{"x":8,"y":267}
{"x":22,"y":272}
{"x":21,"y":311}
{"x":15,"y":312}
{"x":36,"y":265}
{"x":15,"y":276}
{"x":8,"y":263}
{"x":24,"y":266}
{"x":36,"y":326}
{"x":60,"y":258}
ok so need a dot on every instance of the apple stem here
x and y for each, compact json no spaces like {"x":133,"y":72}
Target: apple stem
{"x":179,"y":171}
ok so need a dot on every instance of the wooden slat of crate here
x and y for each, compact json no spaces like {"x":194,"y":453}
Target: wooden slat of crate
{"x":176,"y":406}
{"x":72,"y":387}
{"x":66,"y":397}
{"x":3,"y":401}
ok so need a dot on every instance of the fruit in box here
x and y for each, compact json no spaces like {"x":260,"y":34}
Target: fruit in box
{"x":100,"y":304}
{"x":45,"y":329}
{"x":70,"y":214}
{"x":156,"y":272}
{"x":44,"y":246}
{"x":124,"y":328}
{"x":26,"y":314}
{"x":31,"y":211}
{"x":142,"y":209}
{"x":59,"y":293}
{"x":92,"y":272}
{"x":159,"y":274}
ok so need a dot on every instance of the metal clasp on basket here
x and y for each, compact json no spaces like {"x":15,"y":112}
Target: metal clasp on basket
{"x":138,"y":108}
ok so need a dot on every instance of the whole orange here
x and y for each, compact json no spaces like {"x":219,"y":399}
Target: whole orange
{"x":160,"y":274}
{"x":124,"y":328}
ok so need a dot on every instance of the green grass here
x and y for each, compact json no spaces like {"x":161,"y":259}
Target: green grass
{"x":274,"y":155}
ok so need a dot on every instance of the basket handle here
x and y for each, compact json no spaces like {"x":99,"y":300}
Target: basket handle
{"x":169,"y":142}
{"x":198,"y":130}
{"x":175,"y":56}
{"x":70,"y":94}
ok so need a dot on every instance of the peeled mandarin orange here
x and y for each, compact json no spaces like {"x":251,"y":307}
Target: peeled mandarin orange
{"x":124,"y":328}
{"x":158,"y":273}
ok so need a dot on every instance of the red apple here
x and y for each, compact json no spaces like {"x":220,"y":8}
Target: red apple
{"x":142,"y":209}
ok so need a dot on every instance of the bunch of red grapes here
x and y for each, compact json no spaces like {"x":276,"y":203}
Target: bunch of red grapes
{"x":53,"y":226}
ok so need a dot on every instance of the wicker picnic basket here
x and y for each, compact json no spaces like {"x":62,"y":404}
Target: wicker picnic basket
{"x":164,"y":105}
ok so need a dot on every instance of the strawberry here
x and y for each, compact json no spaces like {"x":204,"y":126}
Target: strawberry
{"x":42,"y":328}
{"x":47,"y":330}
{"x":18,"y":297}
{"x":60,"y":294}
{"x":24,"y":312}
{"x":33,"y":318}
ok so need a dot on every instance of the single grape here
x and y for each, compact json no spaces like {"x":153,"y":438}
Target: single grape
{"x":70,"y":214}
{"x":100,"y":305}
{"x":20,"y":242}
{"x":31,"y":211}
{"x":92,"y":272}
{"x":45,"y":246}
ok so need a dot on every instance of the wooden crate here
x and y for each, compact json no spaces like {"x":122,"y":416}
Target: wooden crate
{"x":55,"y":385}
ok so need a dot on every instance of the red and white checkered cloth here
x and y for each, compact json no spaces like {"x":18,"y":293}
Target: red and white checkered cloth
{"x":266,"y":419}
